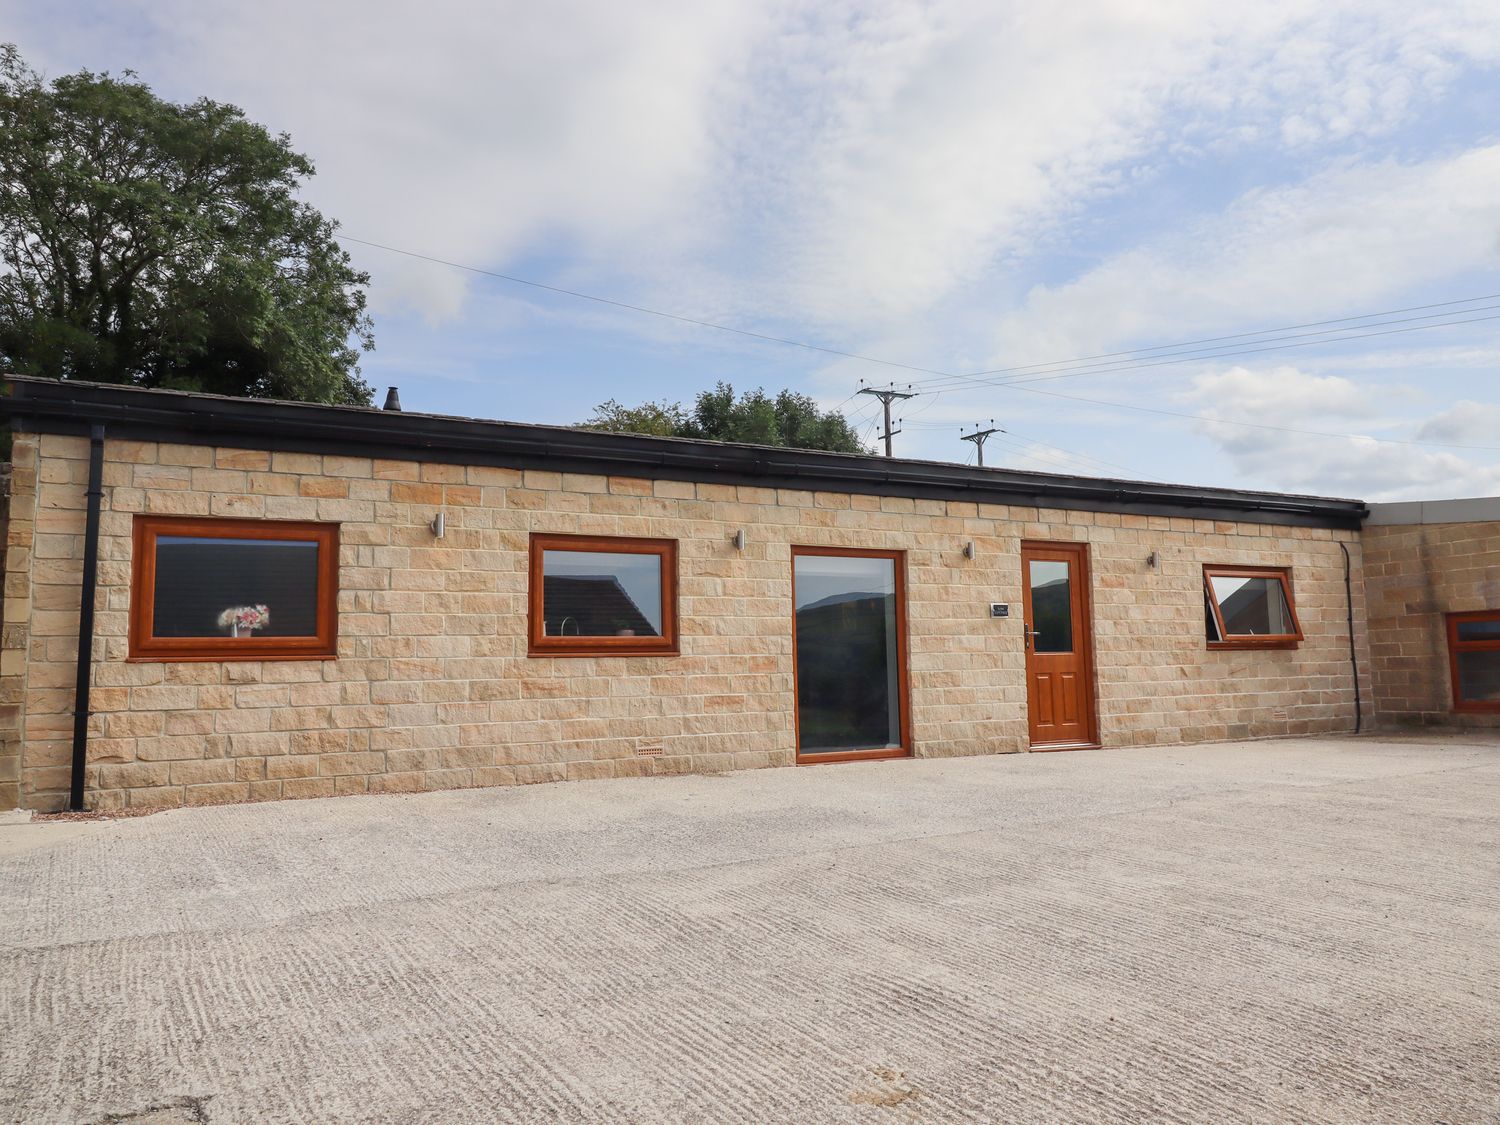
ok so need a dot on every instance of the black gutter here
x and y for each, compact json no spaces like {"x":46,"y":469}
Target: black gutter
{"x":87,"y":593}
{"x":69,"y":407}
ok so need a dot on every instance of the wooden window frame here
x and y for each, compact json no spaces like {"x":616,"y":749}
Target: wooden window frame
{"x":146,"y":647}
{"x":903,"y":682}
{"x":539,"y":644}
{"x":1271,"y":640}
{"x":1456,"y":647}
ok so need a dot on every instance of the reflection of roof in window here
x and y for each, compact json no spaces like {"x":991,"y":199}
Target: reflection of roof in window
{"x":1244,"y":599}
{"x":597,"y":603}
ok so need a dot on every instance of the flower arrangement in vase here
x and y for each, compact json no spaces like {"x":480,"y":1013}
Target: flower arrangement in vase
{"x":243,"y":620}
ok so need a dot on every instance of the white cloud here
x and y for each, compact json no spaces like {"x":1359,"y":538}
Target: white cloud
{"x":1348,"y":238}
{"x":845,"y":164}
{"x":1357,"y":465}
{"x":1464,"y":423}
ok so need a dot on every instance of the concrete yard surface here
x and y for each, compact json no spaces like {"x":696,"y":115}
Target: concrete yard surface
{"x":1274,"y":931}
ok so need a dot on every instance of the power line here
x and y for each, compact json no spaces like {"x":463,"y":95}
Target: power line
{"x":1253,"y":425}
{"x":979,"y":437}
{"x":886,"y":397}
{"x":967,"y":381}
{"x":1062,"y":368}
{"x":1078,"y":458}
{"x":1065,"y":459}
{"x":1014,"y":439}
{"x":954,"y":379}
{"x":643,"y":309}
{"x":1236,"y":336}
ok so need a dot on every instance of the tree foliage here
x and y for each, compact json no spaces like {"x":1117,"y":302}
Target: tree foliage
{"x":659,"y":419}
{"x":789,"y":419}
{"x":162,"y":245}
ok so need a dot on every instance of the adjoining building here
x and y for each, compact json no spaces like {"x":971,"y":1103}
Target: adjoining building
{"x":212,"y":599}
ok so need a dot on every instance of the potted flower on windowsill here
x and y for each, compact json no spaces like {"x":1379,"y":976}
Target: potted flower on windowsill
{"x":242,"y":621}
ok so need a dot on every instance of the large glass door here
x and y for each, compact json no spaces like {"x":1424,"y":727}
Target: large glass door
{"x":850,"y":639}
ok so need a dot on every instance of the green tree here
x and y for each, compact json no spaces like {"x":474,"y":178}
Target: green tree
{"x":789,"y":419}
{"x":660,"y":419}
{"x":162,"y":245}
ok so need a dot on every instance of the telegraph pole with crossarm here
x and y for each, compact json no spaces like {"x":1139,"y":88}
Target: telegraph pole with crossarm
{"x":886,"y":397}
{"x":979,"y":437}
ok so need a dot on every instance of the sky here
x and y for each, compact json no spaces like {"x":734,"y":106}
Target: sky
{"x":952,"y":187}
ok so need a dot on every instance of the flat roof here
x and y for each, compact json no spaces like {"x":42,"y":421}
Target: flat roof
{"x":71,"y":407}
{"x":1476,"y":509}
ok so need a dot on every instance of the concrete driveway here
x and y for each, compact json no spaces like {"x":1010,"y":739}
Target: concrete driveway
{"x":1275,"y":931}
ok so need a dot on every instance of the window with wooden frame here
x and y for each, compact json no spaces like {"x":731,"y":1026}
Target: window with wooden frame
{"x":1249,"y":607}
{"x":602,"y":596}
{"x":1474,"y":659}
{"x":233,"y":589}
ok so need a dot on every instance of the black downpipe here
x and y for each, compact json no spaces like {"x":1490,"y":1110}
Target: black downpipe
{"x":1353,"y":657}
{"x":86,"y":617}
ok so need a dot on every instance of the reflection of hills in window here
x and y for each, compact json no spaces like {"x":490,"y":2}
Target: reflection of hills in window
{"x":596,"y":603}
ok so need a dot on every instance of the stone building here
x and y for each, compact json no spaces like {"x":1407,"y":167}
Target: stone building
{"x":212,"y":600}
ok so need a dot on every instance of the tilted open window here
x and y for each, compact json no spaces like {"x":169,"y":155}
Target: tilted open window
{"x":1474,"y":660}
{"x":233,"y":589}
{"x":595,"y":596}
{"x":1249,"y":607}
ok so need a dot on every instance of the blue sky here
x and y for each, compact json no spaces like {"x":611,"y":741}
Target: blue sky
{"x":957,"y":186}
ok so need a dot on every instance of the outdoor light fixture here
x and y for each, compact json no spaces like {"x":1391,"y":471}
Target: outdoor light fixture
{"x":1153,"y":560}
{"x":738,"y":539}
{"x":969,"y":549}
{"x":439,"y":525}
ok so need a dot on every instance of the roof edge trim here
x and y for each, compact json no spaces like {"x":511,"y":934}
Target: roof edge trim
{"x":51,"y":406}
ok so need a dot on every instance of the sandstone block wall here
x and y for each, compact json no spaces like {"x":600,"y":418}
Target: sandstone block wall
{"x":433,"y":688}
{"x":1414,"y":574}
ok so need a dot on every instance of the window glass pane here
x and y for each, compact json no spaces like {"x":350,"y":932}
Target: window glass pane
{"x":201,"y":582}
{"x":848,"y":687}
{"x":1211,"y":626}
{"x":601,"y":594}
{"x":1479,"y":630}
{"x":1051,"y":606}
{"x":1252,"y":607}
{"x":1479,"y":676}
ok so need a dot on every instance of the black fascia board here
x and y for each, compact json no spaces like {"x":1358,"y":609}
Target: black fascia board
{"x":70,"y":407}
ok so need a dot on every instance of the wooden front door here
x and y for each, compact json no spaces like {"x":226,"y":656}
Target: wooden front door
{"x":1059,"y":656}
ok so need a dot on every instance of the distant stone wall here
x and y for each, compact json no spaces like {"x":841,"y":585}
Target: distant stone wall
{"x":1418,"y":568}
{"x":433,"y":687}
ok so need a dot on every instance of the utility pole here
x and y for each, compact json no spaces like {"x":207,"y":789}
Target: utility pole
{"x":886,"y":396}
{"x":979,"y":437}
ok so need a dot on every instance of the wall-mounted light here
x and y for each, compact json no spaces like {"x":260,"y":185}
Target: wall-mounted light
{"x":1153,"y":560}
{"x":969,"y":549}
{"x":738,"y":539}
{"x":439,"y":525}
